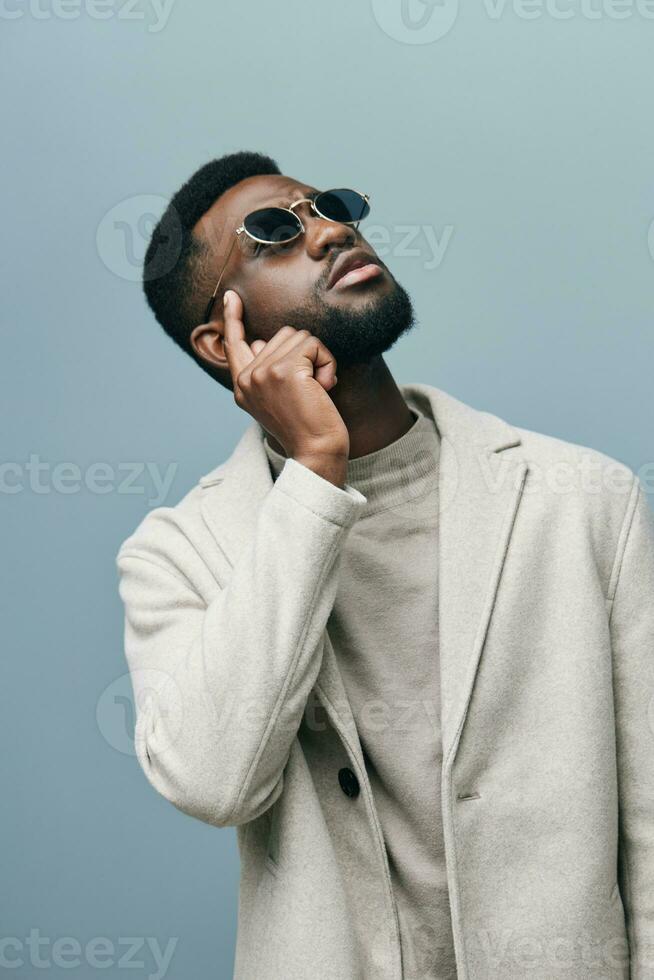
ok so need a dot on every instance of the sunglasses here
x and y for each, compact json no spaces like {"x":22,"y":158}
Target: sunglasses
{"x":278,"y":226}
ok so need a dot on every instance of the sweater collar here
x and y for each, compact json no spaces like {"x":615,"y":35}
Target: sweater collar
{"x":403,"y":470}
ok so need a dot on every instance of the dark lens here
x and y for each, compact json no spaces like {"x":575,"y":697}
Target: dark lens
{"x":342,"y":205}
{"x":272,"y":225}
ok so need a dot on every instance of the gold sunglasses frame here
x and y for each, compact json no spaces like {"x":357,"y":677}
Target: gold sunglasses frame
{"x":301,"y":230}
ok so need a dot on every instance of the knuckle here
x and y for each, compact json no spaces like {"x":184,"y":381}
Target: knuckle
{"x":258,"y":374}
{"x":277,"y":370}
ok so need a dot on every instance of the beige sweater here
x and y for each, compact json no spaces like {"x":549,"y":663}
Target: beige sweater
{"x":384,"y":628}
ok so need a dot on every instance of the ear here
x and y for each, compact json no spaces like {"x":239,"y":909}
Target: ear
{"x":207,"y":342}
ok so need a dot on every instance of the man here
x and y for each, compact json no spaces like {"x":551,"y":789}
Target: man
{"x":405,"y":647}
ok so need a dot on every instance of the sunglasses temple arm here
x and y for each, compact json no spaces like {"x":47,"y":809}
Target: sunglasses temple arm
{"x":356,"y":226}
{"x":215,"y":292}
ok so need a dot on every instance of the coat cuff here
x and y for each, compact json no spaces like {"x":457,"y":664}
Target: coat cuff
{"x":341,"y":506}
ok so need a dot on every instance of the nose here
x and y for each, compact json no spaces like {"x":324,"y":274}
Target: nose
{"x":323,"y":235}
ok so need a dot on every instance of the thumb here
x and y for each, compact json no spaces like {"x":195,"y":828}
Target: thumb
{"x":326,"y":375}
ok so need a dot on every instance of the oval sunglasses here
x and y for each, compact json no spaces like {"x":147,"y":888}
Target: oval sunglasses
{"x":275,"y":226}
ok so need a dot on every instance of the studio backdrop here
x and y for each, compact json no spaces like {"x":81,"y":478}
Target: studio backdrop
{"x":507,"y":149}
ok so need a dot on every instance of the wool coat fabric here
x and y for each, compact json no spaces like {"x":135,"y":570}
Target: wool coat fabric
{"x":546,"y":624}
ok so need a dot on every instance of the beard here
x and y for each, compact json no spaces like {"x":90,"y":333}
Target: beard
{"x":357,"y":336}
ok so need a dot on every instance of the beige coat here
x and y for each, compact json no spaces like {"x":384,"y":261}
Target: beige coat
{"x":546,"y":612}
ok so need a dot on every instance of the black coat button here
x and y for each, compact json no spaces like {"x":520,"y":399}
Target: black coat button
{"x":349,"y":782}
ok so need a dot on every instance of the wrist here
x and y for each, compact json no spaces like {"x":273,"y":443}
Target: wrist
{"x":330,"y":466}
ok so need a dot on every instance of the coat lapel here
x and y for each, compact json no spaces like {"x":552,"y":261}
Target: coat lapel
{"x":481,"y":478}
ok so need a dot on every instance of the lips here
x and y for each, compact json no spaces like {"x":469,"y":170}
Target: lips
{"x":348,"y":262}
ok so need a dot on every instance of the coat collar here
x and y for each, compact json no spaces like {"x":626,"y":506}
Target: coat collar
{"x":481,"y":477}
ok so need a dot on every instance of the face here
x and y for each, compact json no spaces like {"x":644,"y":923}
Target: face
{"x":357,"y":320}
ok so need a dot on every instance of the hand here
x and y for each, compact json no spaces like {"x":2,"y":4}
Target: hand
{"x":283,"y":384}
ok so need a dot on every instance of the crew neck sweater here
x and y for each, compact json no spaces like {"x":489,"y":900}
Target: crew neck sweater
{"x":384,"y":630}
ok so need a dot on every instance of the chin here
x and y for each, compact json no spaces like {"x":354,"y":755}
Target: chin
{"x":356,"y":333}
{"x":361,"y":329}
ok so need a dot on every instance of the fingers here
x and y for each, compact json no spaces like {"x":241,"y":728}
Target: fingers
{"x":290,"y":344}
{"x":234,"y":337}
{"x":324,"y":365}
{"x":243,"y":358}
{"x":278,"y":346}
{"x":265,"y":348}
{"x":237,"y":350}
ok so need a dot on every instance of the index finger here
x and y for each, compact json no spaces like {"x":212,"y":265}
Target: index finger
{"x":237,"y":349}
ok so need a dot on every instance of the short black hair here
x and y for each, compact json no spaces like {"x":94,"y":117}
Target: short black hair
{"x":173,"y":260}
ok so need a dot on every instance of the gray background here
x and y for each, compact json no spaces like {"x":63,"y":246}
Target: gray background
{"x":528,"y":137}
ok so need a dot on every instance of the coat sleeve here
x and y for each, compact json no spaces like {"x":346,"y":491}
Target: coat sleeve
{"x":220,"y":688}
{"x":632,"y":630}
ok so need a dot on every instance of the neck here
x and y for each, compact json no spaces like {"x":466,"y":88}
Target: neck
{"x":371,"y":405}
